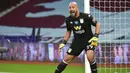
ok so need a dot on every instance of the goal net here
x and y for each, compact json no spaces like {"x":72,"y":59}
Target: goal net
{"x":113,"y":52}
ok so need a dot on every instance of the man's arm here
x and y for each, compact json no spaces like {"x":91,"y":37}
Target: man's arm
{"x":94,"y":39}
{"x":67,"y":35}
{"x":97,"y":28}
{"x":95,"y":23}
{"x":66,"y":38}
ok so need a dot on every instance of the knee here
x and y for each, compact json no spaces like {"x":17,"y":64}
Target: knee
{"x":91,"y":61}
{"x":67,"y":59}
{"x":91,"y":56}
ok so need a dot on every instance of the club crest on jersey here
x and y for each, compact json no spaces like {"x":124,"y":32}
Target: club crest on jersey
{"x":81,"y":21}
{"x":76,"y":22}
{"x":77,"y":27}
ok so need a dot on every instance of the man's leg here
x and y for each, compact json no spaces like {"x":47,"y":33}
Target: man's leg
{"x":67,"y":59}
{"x":91,"y":58}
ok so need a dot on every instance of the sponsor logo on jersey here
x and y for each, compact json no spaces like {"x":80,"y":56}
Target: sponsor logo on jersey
{"x":80,"y":31}
{"x":77,"y":27}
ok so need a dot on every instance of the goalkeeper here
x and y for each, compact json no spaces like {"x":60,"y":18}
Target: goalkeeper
{"x":80,"y":23}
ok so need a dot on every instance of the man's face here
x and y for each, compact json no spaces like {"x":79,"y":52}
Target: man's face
{"x":73,"y":10}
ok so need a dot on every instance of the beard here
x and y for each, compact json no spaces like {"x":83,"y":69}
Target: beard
{"x":72,"y":13}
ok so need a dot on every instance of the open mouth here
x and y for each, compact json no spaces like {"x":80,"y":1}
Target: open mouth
{"x":72,"y":13}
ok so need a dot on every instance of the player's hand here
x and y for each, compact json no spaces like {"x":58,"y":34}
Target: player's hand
{"x":61,"y":46}
{"x":93,"y":41}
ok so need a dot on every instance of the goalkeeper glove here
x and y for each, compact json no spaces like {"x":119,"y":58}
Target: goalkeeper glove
{"x":62,"y":45}
{"x":94,"y":40}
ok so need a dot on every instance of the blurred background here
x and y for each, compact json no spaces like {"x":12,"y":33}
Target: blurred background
{"x":33,"y":29}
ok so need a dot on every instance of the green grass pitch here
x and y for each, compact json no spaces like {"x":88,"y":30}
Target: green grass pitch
{"x":37,"y":68}
{"x":49,"y":68}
